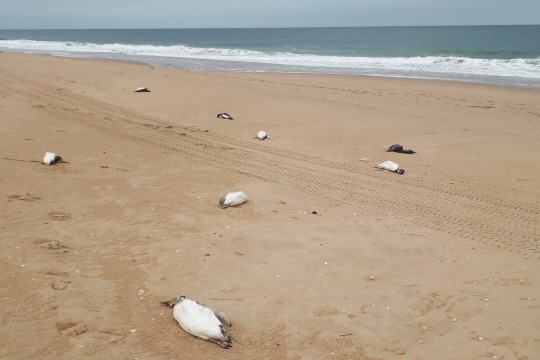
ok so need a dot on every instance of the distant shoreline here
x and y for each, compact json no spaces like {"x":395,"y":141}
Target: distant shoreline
{"x":247,"y":67}
{"x":507,"y":55}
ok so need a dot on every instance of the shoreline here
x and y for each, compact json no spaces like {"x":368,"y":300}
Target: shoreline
{"x":327,"y":259}
{"x":206,"y":64}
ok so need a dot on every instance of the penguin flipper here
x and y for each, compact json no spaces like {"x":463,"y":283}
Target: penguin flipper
{"x":221,"y":316}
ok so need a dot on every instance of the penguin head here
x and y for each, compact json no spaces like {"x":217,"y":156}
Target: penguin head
{"x":173,"y":302}
{"x":400,"y":171}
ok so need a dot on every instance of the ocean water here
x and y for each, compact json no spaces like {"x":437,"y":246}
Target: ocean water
{"x":505,"y":55}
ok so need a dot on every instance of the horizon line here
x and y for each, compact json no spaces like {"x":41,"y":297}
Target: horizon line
{"x":265,"y":27}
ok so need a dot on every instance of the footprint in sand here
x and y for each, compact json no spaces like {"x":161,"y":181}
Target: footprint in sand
{"x":25,"y":197}
{"x":51,"y":245}
{"x":326,"y":311}
{"x":59,"y":216}
{"x":60,"y":279}
{"x":71,"y":328}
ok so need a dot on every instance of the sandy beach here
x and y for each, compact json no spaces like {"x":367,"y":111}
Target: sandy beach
{"x":328,"y":259}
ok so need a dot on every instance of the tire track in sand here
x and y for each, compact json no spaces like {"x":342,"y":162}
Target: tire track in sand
{"x":506,"y":223}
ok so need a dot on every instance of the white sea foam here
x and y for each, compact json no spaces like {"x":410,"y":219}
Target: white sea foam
{"x":451,"y":66}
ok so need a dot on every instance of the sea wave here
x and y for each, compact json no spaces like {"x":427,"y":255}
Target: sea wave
{"x":451,"y":65}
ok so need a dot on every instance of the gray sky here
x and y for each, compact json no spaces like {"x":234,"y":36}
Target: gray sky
{"x":61,"y":14}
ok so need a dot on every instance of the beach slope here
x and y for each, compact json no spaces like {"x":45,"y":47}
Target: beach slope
{"x":328,"y":259}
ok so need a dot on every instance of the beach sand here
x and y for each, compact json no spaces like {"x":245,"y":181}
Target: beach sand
{"x":328,"y":259}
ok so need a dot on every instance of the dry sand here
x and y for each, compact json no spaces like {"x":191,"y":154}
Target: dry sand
{"x":439,"y":263}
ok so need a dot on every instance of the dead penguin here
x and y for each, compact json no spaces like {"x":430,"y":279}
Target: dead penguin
{"x":399,"y":149}
{"x":142,"y":89}
{"x":232,"y":199}
{"x":225,"y":116}
{"x":200,"y":321}
{"x":390,"y":166}
{"x":51,"y":158}
{"x":261,"y":135}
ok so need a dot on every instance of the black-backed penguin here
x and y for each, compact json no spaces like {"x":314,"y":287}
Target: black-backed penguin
{"x":390,"y":166}
{"x":200,"y":321}
{"x":261,"y":135}
{"x":232,"y":199}
{"x":51,"y":158}
{"x":399,"y":149}
{"x":225,"y":116}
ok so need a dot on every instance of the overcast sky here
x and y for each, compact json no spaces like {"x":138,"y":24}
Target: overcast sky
{"x":62,"y":14}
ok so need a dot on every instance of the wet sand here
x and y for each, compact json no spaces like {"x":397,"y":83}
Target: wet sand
{"x":328,"y":259}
